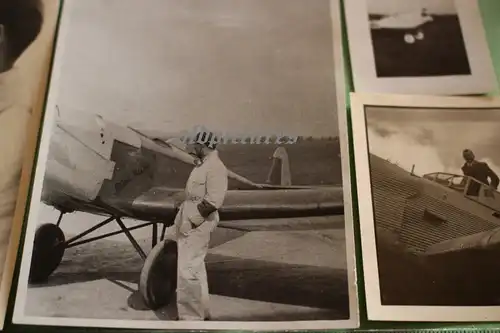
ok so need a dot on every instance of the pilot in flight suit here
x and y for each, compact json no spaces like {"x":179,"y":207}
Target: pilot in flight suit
{"x":20,"y":24}
{"x":196,"y":219}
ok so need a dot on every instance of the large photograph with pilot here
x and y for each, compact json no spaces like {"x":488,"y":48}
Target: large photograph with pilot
{"x":190,"y":172}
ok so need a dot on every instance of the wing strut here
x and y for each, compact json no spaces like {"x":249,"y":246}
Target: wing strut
{"x":131,"y":238}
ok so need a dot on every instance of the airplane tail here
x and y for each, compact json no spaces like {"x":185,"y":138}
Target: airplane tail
{"x":280,"y":174}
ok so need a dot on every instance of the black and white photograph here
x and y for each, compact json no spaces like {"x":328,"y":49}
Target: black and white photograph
{"x":26,"y":35}
{"x":191,"y":171}
{"x":427,"y":173}
{"x":417,"y":46}
{"x":417,"y":38}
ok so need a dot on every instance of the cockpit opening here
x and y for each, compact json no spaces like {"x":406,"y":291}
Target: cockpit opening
{"x":470,"y":187}
{"x":452,"y":181}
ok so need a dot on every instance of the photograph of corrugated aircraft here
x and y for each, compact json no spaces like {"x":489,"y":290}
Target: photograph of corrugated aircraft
{"x":427,"y":173}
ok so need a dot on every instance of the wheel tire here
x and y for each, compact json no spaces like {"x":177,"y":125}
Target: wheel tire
{"x":420,"y":35}
{"x":409,"y":39}
{"x":48,"y":251}
{"x":158,"y":280}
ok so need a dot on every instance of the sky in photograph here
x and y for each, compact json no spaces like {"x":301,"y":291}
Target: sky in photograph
{"x":167,"y":65}
{"x":390,"y":7}
{"x":433,"y":140}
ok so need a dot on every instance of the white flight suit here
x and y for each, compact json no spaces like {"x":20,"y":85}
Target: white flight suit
{"x":208,"y":181}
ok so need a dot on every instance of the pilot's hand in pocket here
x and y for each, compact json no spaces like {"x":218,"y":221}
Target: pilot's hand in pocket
{"x":196,"y":219}
{"x":185,"y":227}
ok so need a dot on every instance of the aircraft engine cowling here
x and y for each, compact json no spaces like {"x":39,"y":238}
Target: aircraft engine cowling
{"x":79,"y":158}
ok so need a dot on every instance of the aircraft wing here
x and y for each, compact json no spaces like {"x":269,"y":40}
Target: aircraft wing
{"x":482,"y":241}
{"x":256,"y":201}
{"x":410,"y":20}
{"x":133,"y":194}
{"x":161,"y":204}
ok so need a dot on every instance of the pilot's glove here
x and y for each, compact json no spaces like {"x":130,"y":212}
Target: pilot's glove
{"x":205,"y":208}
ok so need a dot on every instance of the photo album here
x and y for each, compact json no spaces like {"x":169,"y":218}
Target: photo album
{"x":208,"y":165}
{"x":192,"y":170}
{"x":27,"y":31}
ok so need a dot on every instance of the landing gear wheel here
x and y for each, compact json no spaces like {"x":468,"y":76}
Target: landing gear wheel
{"x":48,"y":251}
{"x":409,"y":39}
{"x":419,"y":35}
{"x":158,"y":280}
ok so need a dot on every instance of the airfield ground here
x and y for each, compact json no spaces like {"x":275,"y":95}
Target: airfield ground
{"x":293,"y":275}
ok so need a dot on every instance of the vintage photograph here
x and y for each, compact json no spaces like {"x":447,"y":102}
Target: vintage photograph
{"x":191,"y":172}
{"x":419,"y":47}
{"x":428,"y":174}
{"x":26,"y":34}
{"x":417,"y":38}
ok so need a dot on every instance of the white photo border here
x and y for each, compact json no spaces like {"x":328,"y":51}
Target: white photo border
{"x":19,"y":316}
{"x":482,"y":79}
{"x":375,"y":310}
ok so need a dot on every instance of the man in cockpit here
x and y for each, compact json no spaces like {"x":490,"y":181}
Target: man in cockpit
{"x":479,"y":171}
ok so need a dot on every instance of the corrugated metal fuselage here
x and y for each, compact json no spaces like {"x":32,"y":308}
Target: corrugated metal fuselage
{"x":435,"y":245}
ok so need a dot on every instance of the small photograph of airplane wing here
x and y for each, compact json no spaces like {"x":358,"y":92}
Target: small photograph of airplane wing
{"x":410,"y":23}
{"x":420,"y":38}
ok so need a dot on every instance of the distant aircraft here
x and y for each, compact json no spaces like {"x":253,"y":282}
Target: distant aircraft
{"x":410,"y":23}
{"x":106,"y":169}
{"x":444,"y":228}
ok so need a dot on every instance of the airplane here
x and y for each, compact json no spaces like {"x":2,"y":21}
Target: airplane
{"x":410,"y":23}
{"x":438,"y":237}
{"x":108,"y":170}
